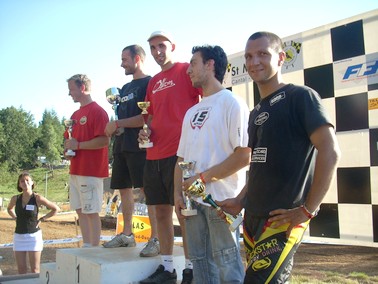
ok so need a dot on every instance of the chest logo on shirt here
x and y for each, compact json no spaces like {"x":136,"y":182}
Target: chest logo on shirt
{"x":261,"y":118}
{"x":162,"y":85}
{"x":259,"y":155}
{"x":127,"y":98}
{"x":257,"y":107}
{"x":200,"y":116}
{"x":280,"y":96}
{"x":83,"y":120}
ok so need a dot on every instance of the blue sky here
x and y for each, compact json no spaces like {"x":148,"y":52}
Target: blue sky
{"x":44,"y":42}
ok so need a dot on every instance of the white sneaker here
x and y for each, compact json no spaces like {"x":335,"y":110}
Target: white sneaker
{"x":152,"y":248}
{"x":120,"y":240}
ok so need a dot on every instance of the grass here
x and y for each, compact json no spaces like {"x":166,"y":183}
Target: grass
{"x":334,"y":277}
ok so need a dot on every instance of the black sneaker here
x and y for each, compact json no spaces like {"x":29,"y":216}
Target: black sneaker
{"x":187,"y":276}
{"x":161,"y":276}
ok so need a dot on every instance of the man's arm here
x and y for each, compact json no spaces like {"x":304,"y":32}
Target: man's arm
{"x":95,"y":143}
{"x":233,"y":205}
{"x":131,"y":122}
{"x":178,"y":193}
{"x":324,"y":140}
{"x":240,"y":158}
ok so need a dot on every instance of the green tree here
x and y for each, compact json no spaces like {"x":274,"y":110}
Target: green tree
{"x":2,"y":141}
{"x":17,"y":137}
{"x":51,"y":139}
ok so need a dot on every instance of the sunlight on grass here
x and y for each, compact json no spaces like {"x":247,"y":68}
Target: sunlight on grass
{"x":358,"y":276}
{"x":334,"y":277}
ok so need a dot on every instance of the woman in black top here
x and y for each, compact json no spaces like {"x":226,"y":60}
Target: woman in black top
{"x":28,"y":236}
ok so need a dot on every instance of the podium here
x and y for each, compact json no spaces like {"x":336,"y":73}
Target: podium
{"x":105,"y":265}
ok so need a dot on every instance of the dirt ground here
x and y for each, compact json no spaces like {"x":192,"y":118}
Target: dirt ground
{"x":311,"y":259}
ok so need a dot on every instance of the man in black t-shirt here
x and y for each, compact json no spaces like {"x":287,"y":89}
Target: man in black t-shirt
{"x":129,"y":159}
{"x":294,"y":158}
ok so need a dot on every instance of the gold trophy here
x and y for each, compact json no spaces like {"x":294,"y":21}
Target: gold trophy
{"x":69,"y":123}
{"x":144,"y":106}
{"x":113,"y":97}
{"x":187,"y":172}
{"x":197,"y":188}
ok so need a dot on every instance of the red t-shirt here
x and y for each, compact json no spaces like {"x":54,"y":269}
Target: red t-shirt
{"x":90,"y":123}
{"x":170,"y":94}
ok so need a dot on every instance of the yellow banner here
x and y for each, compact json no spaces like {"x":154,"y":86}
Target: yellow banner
{"x":141,"y":227}
{"x":373,"y":104}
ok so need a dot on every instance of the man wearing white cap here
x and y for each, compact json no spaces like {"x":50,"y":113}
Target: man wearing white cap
{"x":171,"y":94}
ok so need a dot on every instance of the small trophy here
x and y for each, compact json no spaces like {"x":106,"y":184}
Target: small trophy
{"x":143,"y":106}
{"x":113,"y":97}
{"x":197,"y":189}
{"x":187,"y":172}
{"x":69,"y":123}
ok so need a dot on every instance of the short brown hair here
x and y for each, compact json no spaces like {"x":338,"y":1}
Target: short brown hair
{"x":274,"y":40}
{"x":136,"y":50}
{"x":80,"y":80}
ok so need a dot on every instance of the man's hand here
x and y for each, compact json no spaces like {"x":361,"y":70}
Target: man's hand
{"x":179,"y":204}
{"x":232,"y":206}
{"x":72,"y":144}
{"x":293,"y":216}
{"x":110,"y":128}
{"x":188,"y":182}
{"x":144,"y":135}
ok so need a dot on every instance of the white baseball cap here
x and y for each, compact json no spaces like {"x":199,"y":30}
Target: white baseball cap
{"x":162,"y":34}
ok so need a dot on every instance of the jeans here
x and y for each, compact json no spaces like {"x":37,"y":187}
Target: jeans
{"x":213,"y":248}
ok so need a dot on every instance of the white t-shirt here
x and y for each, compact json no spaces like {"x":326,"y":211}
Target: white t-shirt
{"x":211,"y":131}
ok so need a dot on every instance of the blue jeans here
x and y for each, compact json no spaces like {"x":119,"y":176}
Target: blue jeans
{"x":213,"y":248}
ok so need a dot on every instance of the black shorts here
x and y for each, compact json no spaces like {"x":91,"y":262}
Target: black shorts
{"x":127,"y":170}
{"x":158,"y":181}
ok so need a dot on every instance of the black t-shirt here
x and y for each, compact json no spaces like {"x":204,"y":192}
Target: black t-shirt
{"x":131,"y":93}
{"x":283,"y":157}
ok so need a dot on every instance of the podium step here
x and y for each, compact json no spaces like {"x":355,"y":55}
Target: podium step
{"x":104,"y":265}
{"x":31,"y":278}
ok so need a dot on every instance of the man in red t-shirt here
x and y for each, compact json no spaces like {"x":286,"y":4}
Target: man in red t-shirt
{"x":89,"y":164}
{"x":171,"y":94}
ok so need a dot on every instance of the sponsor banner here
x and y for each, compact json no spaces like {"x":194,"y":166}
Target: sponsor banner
{"x":373,"y":104}
{"x":356,"y":71}
{"x":141,"y":227}
{"x":236,"y":72}
{"x":294,"y":56}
